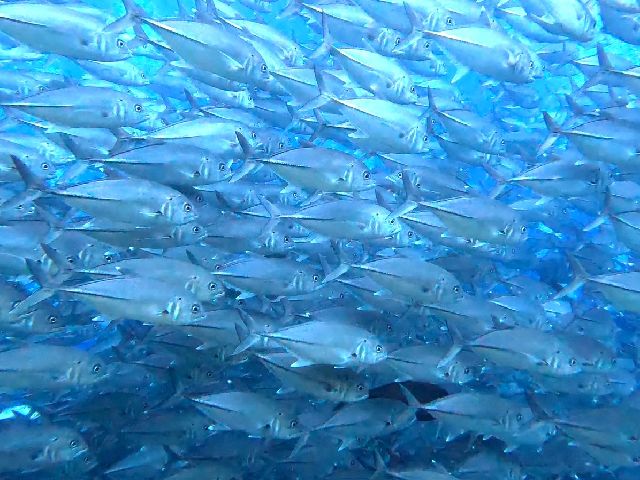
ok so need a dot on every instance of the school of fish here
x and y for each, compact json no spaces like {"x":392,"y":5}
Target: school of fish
{"x":319,"y":239}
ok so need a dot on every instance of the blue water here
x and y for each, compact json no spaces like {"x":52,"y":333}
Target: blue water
{"x":153,"y":280}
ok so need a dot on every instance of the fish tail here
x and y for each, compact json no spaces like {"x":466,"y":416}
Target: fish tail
{"x":249,"y":164}
{"x":327,"y":41}
{"x":580,"y":278}
{"x":246,"y":333}
{"x":554,"y":133}
{"x":292,"y":8}
{"x":324,"y":96}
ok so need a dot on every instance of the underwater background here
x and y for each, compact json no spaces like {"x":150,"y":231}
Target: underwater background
{"x":321,"y":239}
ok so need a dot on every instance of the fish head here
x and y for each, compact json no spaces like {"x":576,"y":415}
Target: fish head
{"x":244,"y":98}
{"x":384,"y":40}
{"x":354,"y":391}
{"x":584,"y":28}
{"x":448,"y":289}
{"x":109,"y":45}
{"x":525,"y":66}
{"x":359,"y":177}
{"x":177,"y":209}
{"x":256,"y":70}
{"x":41,"y":168}
{"x":285,"y":425}
{"x":91,"y":371}
{"x":141,"y":110}
{"x":406,"y":237}
{"x":460,"y":370}
{"x":65,"y":445}
{"x":139,"y":77}
{"x":45,"y":320}
{"x":183,"y":310}
{"x":516,"y":418}
{"x":273,"y":141}
{"x":405,"y":91}
{"x":211,"y":287}
{"x":516,"y":231}
{"x":387,"y":226}
{"x":417,"y":140}
{"x":292,"y":196}
{"x":306,"y":281}
{"x":563,"y":361}
{"x":370,"y":351}
{"x":278,"y":241}
{"x":414,"y":47}
{"x":294,"y":57}
{"x":213,"y":170}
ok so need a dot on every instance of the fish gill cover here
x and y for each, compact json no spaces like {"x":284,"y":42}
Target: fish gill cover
{"x":319,"y":239}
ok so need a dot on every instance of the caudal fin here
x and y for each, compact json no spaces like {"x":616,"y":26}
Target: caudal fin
{"x":580,"y":277}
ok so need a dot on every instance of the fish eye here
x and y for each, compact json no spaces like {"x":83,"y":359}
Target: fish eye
{"x":138,"y":108}
{"x":399,"y":174}
{"x":366,"y":175}
{"x":573,"y":362}
{"x":502,"y":142}
{"x":108,"y":258}
{"x":209,"y":374}
{"x":412,"y":89}
{"x":195,"y":308}
{"x":71,"y":260}
{"x":120,"y":43}
{"x":379,"y":348}
{"x":199,"y":198}
{"x":263,"y":67}
{"x":187,"y":207}
{"x":222,"y":167}
{"x":142,"y":75}
{"x":52,"y":319}
{"x":196,"y":173}
{"x":196,"y":229}
{"x":523,"y":229}
{"x":45,"y":166}
{"x":295,"y":194}
{"x":397,"y":42}
{"x":360,"y":387}
{"x":316,"y":278}
{"x":427,"y":45}
{"x":456,"y":289}
{"x":467,"y":371}
{"x":293,"y":424}
{"x":73,"y":443}
{"x":519,"y":417}
{"x":212,"y":286}
{"x":281,"y":145}
{"x":286,"y":239}
{"x":410,"y":234}
{"x":449,"y":21}
{"x":96,"y":368}
{"x":254,"y":135}
{"x":425,"y":138}
{"x":392,"y":221}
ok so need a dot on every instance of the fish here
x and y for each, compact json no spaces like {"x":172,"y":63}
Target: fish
{"x":319,"y":239}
